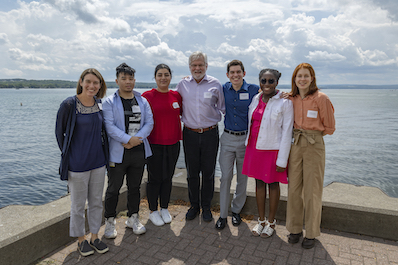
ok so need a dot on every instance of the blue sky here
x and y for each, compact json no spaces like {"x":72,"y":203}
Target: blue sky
{"x":347,"y":42}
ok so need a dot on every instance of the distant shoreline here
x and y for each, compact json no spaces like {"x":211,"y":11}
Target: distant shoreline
{"x":19,"y":83}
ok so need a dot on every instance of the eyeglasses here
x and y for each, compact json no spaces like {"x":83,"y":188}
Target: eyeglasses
{"x":264,"y":81}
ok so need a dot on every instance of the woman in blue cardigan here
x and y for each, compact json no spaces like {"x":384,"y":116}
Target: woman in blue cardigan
{"x":81,"y":137}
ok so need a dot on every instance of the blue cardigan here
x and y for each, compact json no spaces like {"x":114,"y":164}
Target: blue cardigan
{"x":64,"y":127}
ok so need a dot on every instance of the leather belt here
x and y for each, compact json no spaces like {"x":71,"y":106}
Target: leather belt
{"x":235,"y":133}
{"x":202,"y":130}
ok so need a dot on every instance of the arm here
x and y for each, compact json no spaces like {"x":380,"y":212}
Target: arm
{"x":221,"y":99}
{"x":286,"y":138}
{"x":326,"y":114}
{"x":112,"y":130}
{"x":61,"y":122}
{"x":147,"y":123}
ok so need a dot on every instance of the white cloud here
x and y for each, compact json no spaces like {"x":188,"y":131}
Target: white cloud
{"x":322,"y":56}
{"x":59,"y":38}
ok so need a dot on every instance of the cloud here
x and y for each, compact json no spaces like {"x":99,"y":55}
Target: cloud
{"x":3,"y":38}
{"x":323,"y":56}
{"x":59,"y":38}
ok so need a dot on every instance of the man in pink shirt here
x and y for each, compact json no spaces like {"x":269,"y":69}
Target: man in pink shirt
{"x":202,"y":105}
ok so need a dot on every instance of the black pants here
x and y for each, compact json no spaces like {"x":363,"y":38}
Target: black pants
{"x":161,"y":166}
{"x":133,"y":167}
{"x":200,"y":151}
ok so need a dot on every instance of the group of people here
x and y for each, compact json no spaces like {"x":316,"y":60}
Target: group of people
{"x":271,"y":136}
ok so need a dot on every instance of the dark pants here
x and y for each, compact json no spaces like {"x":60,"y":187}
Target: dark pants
{"x":161,"y":166}
{"x":200,"y":151}
{"x":133,"y":167}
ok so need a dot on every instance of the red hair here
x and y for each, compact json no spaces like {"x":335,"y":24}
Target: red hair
{"x":313,"y":86}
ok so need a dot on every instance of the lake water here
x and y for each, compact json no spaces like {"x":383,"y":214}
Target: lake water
{"x":362,"y":151}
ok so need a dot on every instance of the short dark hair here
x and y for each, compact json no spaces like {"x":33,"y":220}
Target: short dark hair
{"x":124,"y":68}
{"x":272,"y":71}
{"x":162,"y":66}
{"x":235,"y":62}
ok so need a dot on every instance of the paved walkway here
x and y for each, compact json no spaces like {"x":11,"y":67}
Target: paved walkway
{"x":198,"y":242}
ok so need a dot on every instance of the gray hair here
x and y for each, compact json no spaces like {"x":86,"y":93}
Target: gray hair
{"x":198,"y":55}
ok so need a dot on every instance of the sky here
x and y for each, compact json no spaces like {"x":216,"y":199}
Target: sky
{"x":347,"y":42}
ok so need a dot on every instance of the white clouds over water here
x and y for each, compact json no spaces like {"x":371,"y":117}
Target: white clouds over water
{"x":346,"y":41}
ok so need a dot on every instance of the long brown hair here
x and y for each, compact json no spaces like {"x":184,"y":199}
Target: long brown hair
{"x":101,"y":92}
{"x":313,"y":86}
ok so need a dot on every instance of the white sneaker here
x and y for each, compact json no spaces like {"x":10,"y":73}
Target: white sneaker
{"x":110,"y":230}
{"x":134,"y":223}
{"x":165,"y":215}
{"x":155,"y":218}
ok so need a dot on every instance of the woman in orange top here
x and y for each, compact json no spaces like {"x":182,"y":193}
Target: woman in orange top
{"x":313,"y":118}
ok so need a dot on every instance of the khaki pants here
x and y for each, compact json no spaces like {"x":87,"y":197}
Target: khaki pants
{"x":306,"y":172}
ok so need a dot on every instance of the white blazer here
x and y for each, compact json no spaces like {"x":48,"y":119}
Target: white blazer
{"x":276,"y":126}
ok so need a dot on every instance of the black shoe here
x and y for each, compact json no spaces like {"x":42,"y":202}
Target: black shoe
{"x":206,"y":215}
{"x":85,"y":249}
{"x":236,"y":220}
{"x":220,"y":224}
{"x":99,"y":246}
{"x":308,"y":243}
{"x":192,"y":213}
{"x":295,"y":238}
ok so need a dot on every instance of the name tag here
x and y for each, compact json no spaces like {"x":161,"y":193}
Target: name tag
{"x":136,"y":109}
{"x":175,"y":105}
{"x":244,"y":96}
{"x":207,"y":95}
{"x":312,"y":114}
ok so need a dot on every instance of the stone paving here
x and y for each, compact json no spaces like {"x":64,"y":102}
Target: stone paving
{"x":198,"y":242}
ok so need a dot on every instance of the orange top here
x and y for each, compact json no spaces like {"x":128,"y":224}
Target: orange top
{"x":314,"y":112}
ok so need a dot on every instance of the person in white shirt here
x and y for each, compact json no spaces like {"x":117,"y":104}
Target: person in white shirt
{"x":268,"y":146}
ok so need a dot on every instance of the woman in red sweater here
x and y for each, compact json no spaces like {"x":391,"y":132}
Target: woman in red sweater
{"x":165,"y":143}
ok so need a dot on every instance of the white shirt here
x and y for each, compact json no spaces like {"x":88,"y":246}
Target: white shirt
{"x":276,"y":126}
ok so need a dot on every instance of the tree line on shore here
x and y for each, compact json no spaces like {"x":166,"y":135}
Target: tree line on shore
{"x":24,"y":83}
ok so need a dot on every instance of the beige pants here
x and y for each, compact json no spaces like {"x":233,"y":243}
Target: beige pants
{"x":306,"y":172}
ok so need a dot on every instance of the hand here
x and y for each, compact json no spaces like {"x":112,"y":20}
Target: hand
{"x":280,"y":169}
{"x":134,"y":141}
{"x":285,"y":96}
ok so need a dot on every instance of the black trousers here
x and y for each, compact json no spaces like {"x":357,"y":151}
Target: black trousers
{"x":161,"y":166}
{"x":132,"y":167}
{"x":200,"y":151}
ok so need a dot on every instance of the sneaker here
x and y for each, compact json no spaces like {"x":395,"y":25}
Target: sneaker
{"x":110,"y":230}
{"x":206,"y":215}
{"x":164,"y":213}
{"x":192,"y":213}
{"x":85,"y":249}
{"x":134,"y":223}
{"x":99,"y":246}
{"x":155,"y":218}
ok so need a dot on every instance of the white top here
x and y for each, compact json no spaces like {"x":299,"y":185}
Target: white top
{"x":276,"y":126}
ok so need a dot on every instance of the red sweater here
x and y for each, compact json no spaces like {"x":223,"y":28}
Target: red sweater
{"x":166,"y":109}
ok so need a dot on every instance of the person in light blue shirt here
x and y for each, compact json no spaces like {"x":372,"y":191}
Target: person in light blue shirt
{"x":129,"y":121}
{"x":238,"y":94}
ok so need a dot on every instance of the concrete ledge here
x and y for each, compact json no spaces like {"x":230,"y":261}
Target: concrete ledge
{"x":28,"y":233}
